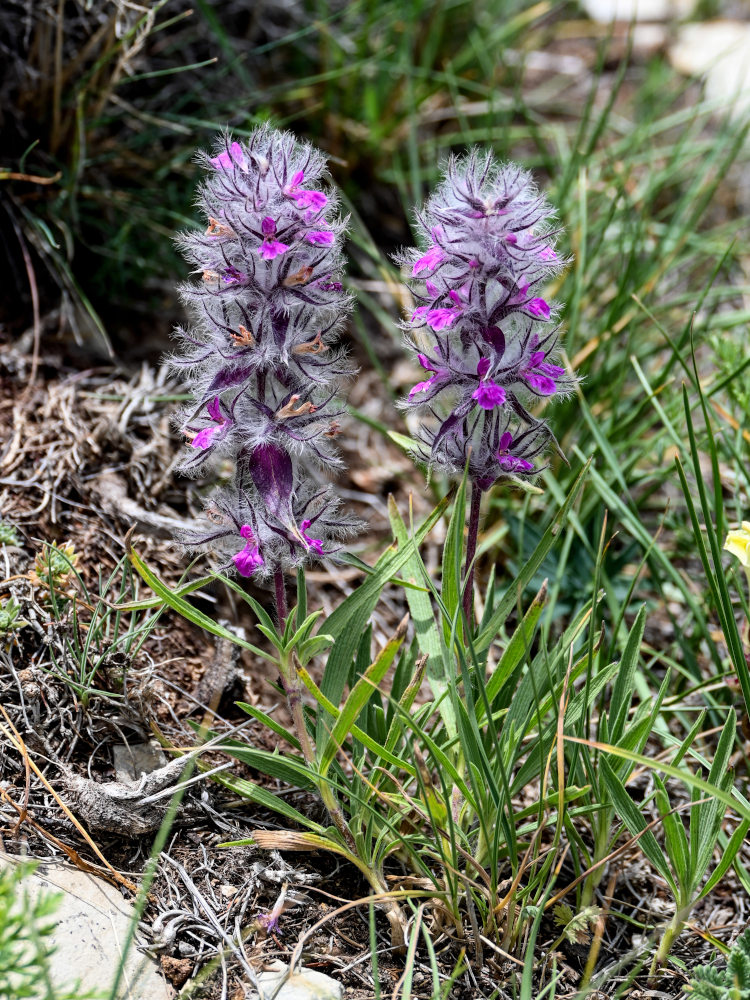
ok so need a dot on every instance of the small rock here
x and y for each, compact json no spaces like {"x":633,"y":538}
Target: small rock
{"x":92,"y":922}
{"x":307,"y":984}
{"x":606,"y":11}
{"x":135,"y":759}
{"x":721,"y":51}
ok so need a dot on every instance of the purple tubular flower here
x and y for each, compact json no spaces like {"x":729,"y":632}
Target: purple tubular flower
{"x":315,"y":200}
{"x":428,"y":261}
{"x":488,"y":251}
{"x":228,"y":157}
{"x":270,"y":247}
{"x":320,"y":238}
{"x":488,"y":393}
{"x":204,"y":439}
{"x":261,"y":358}
{"x":508,"y":462}
{"x":541,"y":375}
{"x":249,"y":559}
{"x":315,"y":544}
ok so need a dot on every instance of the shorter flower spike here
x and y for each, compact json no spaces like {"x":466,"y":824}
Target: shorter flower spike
{"x":481,"y":326}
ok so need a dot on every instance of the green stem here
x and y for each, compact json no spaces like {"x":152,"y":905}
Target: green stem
{"x":665,"y":946}
{"x":293,"y":690}
{"x":471,"y":550}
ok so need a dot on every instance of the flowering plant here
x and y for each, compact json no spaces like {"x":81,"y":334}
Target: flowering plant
{"x":481,"y":329}
{"x":261,"y":357}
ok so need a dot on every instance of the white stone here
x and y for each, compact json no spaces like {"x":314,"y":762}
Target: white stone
{"x":720,"y":50}
{"x":92,"y":924}
{"x":307,"y":984}
{"x":606,"y":11}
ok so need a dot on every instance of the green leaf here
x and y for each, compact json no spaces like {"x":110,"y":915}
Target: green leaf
{"x":622,"y":691}
{"x":518,"y":647}
{"x":270,"y":723}
{"x":312,"y":646}
{"x":512,"y":595}
{"x":453,"y":551}
{"x":429,"y":636}
{"x":360,"y":694}
{"x":675,"y":841}
{"x":348,"y":621}
{"x":262,"y":615}
{"x":256,"y":793}
{"x":633,"y":819}
{"x":187,"y":610}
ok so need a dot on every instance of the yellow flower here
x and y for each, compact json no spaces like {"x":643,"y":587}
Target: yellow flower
{"x":738,"y":543}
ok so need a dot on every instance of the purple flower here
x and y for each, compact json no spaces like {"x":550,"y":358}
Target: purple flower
{"x":249,"y":559}
{"x":508,"y":462}
{"x":428,"y":366}
{"x":314,"y":544}
{"x":224,"y":160}
{"x":541,"y":375}
{"x":479,"y":229}
{"x":319,"y":238}
{"x":203,"y":439}
{"x":538,"y":308}
{"x":441,"y":318}
{"x":315,"y":200}
{"x":488,"y":393}
{"x":270,"y":247}
{"x":232,"y":276}
{"x":429,"y":261}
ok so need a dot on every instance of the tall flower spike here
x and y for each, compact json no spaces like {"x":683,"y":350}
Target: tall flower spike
{"x":481,"y":326}
{"x":261,"y":358}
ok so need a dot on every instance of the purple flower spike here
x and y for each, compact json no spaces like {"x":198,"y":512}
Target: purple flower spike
{"x":487,"y":251}
{"x":262,"y":358}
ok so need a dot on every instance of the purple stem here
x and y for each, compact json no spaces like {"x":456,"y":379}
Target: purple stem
{"x":471,"y":549}
{"x":281,"y":605}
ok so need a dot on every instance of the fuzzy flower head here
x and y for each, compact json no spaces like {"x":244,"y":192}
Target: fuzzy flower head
{"x":483,"y":328}
{"x":261,"y":358}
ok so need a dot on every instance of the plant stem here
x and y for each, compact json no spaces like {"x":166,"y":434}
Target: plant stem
{"x":471,"y":549}
{"x":665,"y":946}
{"x":281,"y":605}
{"x":293,"y":691}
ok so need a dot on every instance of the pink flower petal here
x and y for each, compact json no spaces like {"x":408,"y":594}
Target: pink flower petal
{"x":538,"y":308}
{"x":489,"y":395}
{"x":270,"y":249}
{"x":311,"y":199}
{"x":319,"y":238}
